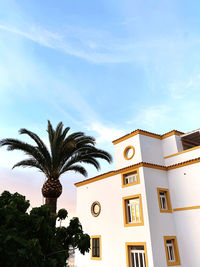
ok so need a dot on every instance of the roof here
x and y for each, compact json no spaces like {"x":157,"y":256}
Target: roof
{"x":193,"y":136}
{"x":139,"y":131}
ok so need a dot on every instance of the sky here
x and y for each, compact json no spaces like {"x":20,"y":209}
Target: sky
{"x":102,"y":67}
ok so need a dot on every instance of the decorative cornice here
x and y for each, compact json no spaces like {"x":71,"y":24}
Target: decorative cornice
{"x":139,"y":131}
{"x":183,"y":164}
{"x":138,"y":165}
{"x":112,"y":173}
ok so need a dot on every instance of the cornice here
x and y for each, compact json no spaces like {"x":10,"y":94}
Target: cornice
{"x":112,"y":173}
{"x":146,"y":133}
{"x":138,"y":165}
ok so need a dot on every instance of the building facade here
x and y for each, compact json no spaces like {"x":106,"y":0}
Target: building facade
{"x":146,"y":212}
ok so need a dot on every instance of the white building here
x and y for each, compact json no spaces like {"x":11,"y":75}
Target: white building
{"x":145,"y":213}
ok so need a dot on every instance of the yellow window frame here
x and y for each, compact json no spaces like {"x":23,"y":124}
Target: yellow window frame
{"x":124,"y":200}
{"x":169,"y":206}
{"x":128,"y":245}
{"x":96,"y":258}
{"x":129,"y":172}
{"x":177,"y":256}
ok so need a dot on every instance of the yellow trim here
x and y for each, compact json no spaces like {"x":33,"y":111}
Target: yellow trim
{"x":173,"y":132}
{"x":96,"y":178}
{"x":184,"y":151}
{"x":123,"y":178}
{"x":112,"y":173}
{"x":96,"y":258}
{"x":125,"y":152}
{"x":127,"y":244}
{"x":183,"y":164}
{"x":169,"y":210}
{"x":177,"y":262}
{"x":138,"y":165}
{"x":187,"y":208}
{"x":124,"y":199}
{"x":157,"y":136}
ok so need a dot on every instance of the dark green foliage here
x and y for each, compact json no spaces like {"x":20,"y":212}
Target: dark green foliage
{"x":62,"y":214}
{"x":33,"y":240}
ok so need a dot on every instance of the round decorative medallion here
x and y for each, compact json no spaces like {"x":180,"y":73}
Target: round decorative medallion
{"x":129,"y":152}
{"x":95,"y":208}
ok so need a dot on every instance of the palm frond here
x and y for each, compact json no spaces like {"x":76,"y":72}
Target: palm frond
{"x":50,"y":131}
{"x":76,"y":168}
{"x":85,"y":140}
{"x":66,"y":151}
{"x":29,"y":163}
{"x":14,"y":144}
{"x":99,"y":153}
{"x":42,"y":147}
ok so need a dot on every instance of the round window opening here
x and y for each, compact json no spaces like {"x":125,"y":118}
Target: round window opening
{"x":129,"y":152}
{"x":95,"y":208}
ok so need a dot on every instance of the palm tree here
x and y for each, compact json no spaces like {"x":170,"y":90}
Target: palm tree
{"x":66,"y":153}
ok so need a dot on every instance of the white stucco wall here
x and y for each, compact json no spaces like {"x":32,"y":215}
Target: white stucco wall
{"x":184,"y":184}
{"x":120,"y":161}
{"x":151,"y":149}
{"x":188,"y":234}
{"x":161,"y":224}
{"x":186,"y":155}
{"x":110,"y":223}
{"x":184,"y":188}
{"x":171,"y":145}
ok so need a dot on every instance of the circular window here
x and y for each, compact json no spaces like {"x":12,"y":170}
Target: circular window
{"x":95,"y":208}
{"x":129,"y":152}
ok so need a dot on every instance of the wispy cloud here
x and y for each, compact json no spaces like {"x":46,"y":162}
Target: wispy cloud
{"x":150,"y":117}
{"x":99,"y":46}
{"x":185,"y":87}
{"x":89,"y":45}
{"x":39,"y":35}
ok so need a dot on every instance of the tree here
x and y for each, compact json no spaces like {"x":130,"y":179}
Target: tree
{"x":33,"y":239}
{"x":66,"y":153}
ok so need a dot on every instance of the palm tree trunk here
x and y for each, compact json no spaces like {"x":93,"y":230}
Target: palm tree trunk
{"x":51,"y":190}
{"x":52,"y":203}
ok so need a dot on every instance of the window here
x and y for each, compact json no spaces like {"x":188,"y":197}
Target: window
{"x":164,"y":200}
{"x":130,"y":178}
{"x":96,"y":247}
{"x":95,"y":208}
{"x":132,"y":207}
{"x":129,"y":152}
{"x":136,"y":254}
{"x":171,"y":249}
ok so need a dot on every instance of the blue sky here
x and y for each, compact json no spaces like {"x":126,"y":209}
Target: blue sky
{"x":102,"y":67}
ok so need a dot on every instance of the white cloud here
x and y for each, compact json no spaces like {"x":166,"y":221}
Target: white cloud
{"x":105,"y":133}
{"x":150,"y":117}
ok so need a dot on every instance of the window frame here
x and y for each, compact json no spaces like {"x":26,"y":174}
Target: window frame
{"x":93,"y":237}
{"x":125,"y":152}
{"x":169,"y":206}
{"x":176,"y":251}
{"x":129,"y":172}
{"x":124,"y":200}
{"x":127,"y":247}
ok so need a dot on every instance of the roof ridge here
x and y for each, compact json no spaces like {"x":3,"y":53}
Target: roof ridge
{"x":151,"y":134}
